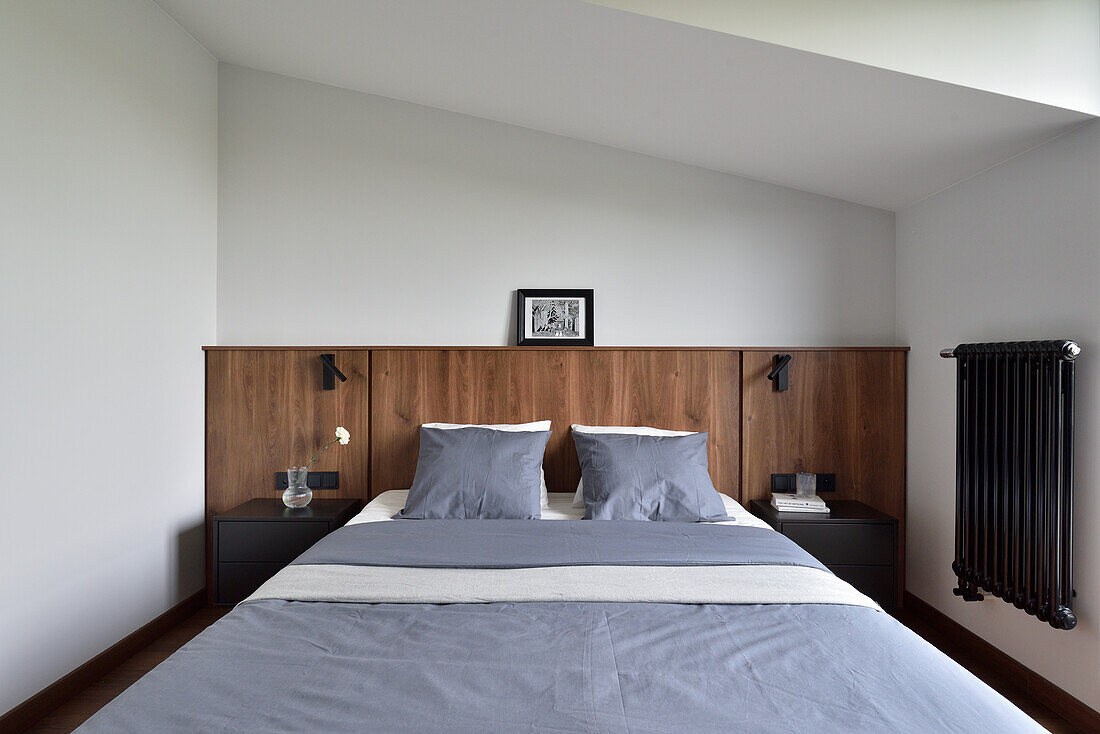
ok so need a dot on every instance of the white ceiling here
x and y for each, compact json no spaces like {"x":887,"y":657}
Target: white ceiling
{"x":679,"y":92}
{"x":1046,"y":51}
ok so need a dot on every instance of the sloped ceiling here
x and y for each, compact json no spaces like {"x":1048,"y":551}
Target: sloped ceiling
{"x":644,"y":84}
{"x":1046,"y":51}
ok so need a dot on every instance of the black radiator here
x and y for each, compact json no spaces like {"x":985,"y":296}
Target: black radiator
{"x":1014,"y":476}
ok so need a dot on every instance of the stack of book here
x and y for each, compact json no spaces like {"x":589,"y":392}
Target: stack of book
{"x":787,"y":502}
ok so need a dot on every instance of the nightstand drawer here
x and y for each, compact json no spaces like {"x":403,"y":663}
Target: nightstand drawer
{"x":267,"y":542}
{"x":877,"y":582}
{"x":845,"y":544}
{"x":237,"y":580}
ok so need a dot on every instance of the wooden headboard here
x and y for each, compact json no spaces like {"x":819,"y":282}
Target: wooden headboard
{"x":675,"y":389}
{"x":844,"y":412}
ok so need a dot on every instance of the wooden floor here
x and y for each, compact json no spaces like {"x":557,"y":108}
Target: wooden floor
{"x":92,"y":699}
{"x":73,"y":713}
{"x":994,"y":678}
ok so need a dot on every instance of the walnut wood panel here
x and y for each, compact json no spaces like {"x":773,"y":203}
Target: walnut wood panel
{"x":680,"y":390}
{"x":844,"y":413}
{"x":265,"y":411}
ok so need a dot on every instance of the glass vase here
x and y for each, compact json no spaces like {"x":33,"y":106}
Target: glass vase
{"x":805,"y":484}
{"x":297,"y":493}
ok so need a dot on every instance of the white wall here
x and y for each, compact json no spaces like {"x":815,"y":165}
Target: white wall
{"x":1013,"y":253}
{"x":108,"y":205}
{"x":1043,"y":50}
{"x":346,"y":218}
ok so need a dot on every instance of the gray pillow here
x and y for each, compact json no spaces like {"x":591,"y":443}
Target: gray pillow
{"x":477,"y":473}
{"x":630,"y":477}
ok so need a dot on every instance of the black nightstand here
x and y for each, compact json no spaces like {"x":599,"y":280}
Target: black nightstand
{"x":856,"y":542}
{"x":254,"y":540}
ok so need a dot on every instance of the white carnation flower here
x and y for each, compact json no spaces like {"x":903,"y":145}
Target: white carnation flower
{"x":343,"y":435}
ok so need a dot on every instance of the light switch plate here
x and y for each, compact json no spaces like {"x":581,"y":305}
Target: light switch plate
{"x":314,"y":480}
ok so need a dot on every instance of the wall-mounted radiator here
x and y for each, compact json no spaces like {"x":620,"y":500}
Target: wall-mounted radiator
{"x":1014,"y":475}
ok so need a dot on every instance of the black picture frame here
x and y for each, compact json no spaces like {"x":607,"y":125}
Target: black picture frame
{"x":526,"y":332}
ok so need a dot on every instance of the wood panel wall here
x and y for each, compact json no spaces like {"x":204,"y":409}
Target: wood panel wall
{"x":680,"y":390}
{"x":844,"y":413}
{"x":266,"y":411}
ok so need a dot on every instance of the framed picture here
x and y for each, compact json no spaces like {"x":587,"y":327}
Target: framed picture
{"x":554,"y":317}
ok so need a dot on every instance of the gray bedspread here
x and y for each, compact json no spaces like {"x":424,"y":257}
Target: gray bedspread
{"x":537,"y":543}
{"x":295,"y":666}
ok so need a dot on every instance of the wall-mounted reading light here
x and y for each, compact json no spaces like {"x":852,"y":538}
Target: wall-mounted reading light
{"x":329,"y":372}
{"x":778,"y":375}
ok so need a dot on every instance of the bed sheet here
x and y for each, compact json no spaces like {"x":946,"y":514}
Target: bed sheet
{"x":387,"y":504}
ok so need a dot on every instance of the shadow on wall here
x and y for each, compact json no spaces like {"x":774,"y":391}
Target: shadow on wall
{"x":190,"y":561}
{"x":513,"y":309}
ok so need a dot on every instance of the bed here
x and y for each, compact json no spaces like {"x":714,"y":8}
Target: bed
{"x":556,"y":625}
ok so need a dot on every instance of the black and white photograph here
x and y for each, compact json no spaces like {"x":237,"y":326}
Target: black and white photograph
{"x":556,"y":317}
{"x":549,"y":316}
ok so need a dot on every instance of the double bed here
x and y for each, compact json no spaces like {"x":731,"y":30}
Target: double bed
{"x":557,"y":625}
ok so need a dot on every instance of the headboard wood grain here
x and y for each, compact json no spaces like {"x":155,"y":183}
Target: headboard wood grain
{"x":844,"y":412}
{"x":266,"y":411}
{"x":680,"y":390}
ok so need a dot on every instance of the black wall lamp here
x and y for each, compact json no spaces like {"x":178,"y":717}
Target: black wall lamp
{"x":778,"y":375}
{"x":330,"y":372}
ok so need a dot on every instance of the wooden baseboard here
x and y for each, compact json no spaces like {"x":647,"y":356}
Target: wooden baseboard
{"x":23,"y":716}
{"x":1069,"y":708}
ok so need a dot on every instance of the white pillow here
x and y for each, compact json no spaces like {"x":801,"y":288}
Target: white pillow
{"x":578,"y":498}
{"x":533,"y":426}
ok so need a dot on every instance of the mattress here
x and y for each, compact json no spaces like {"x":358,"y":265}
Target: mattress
{"x":566,"y":626}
